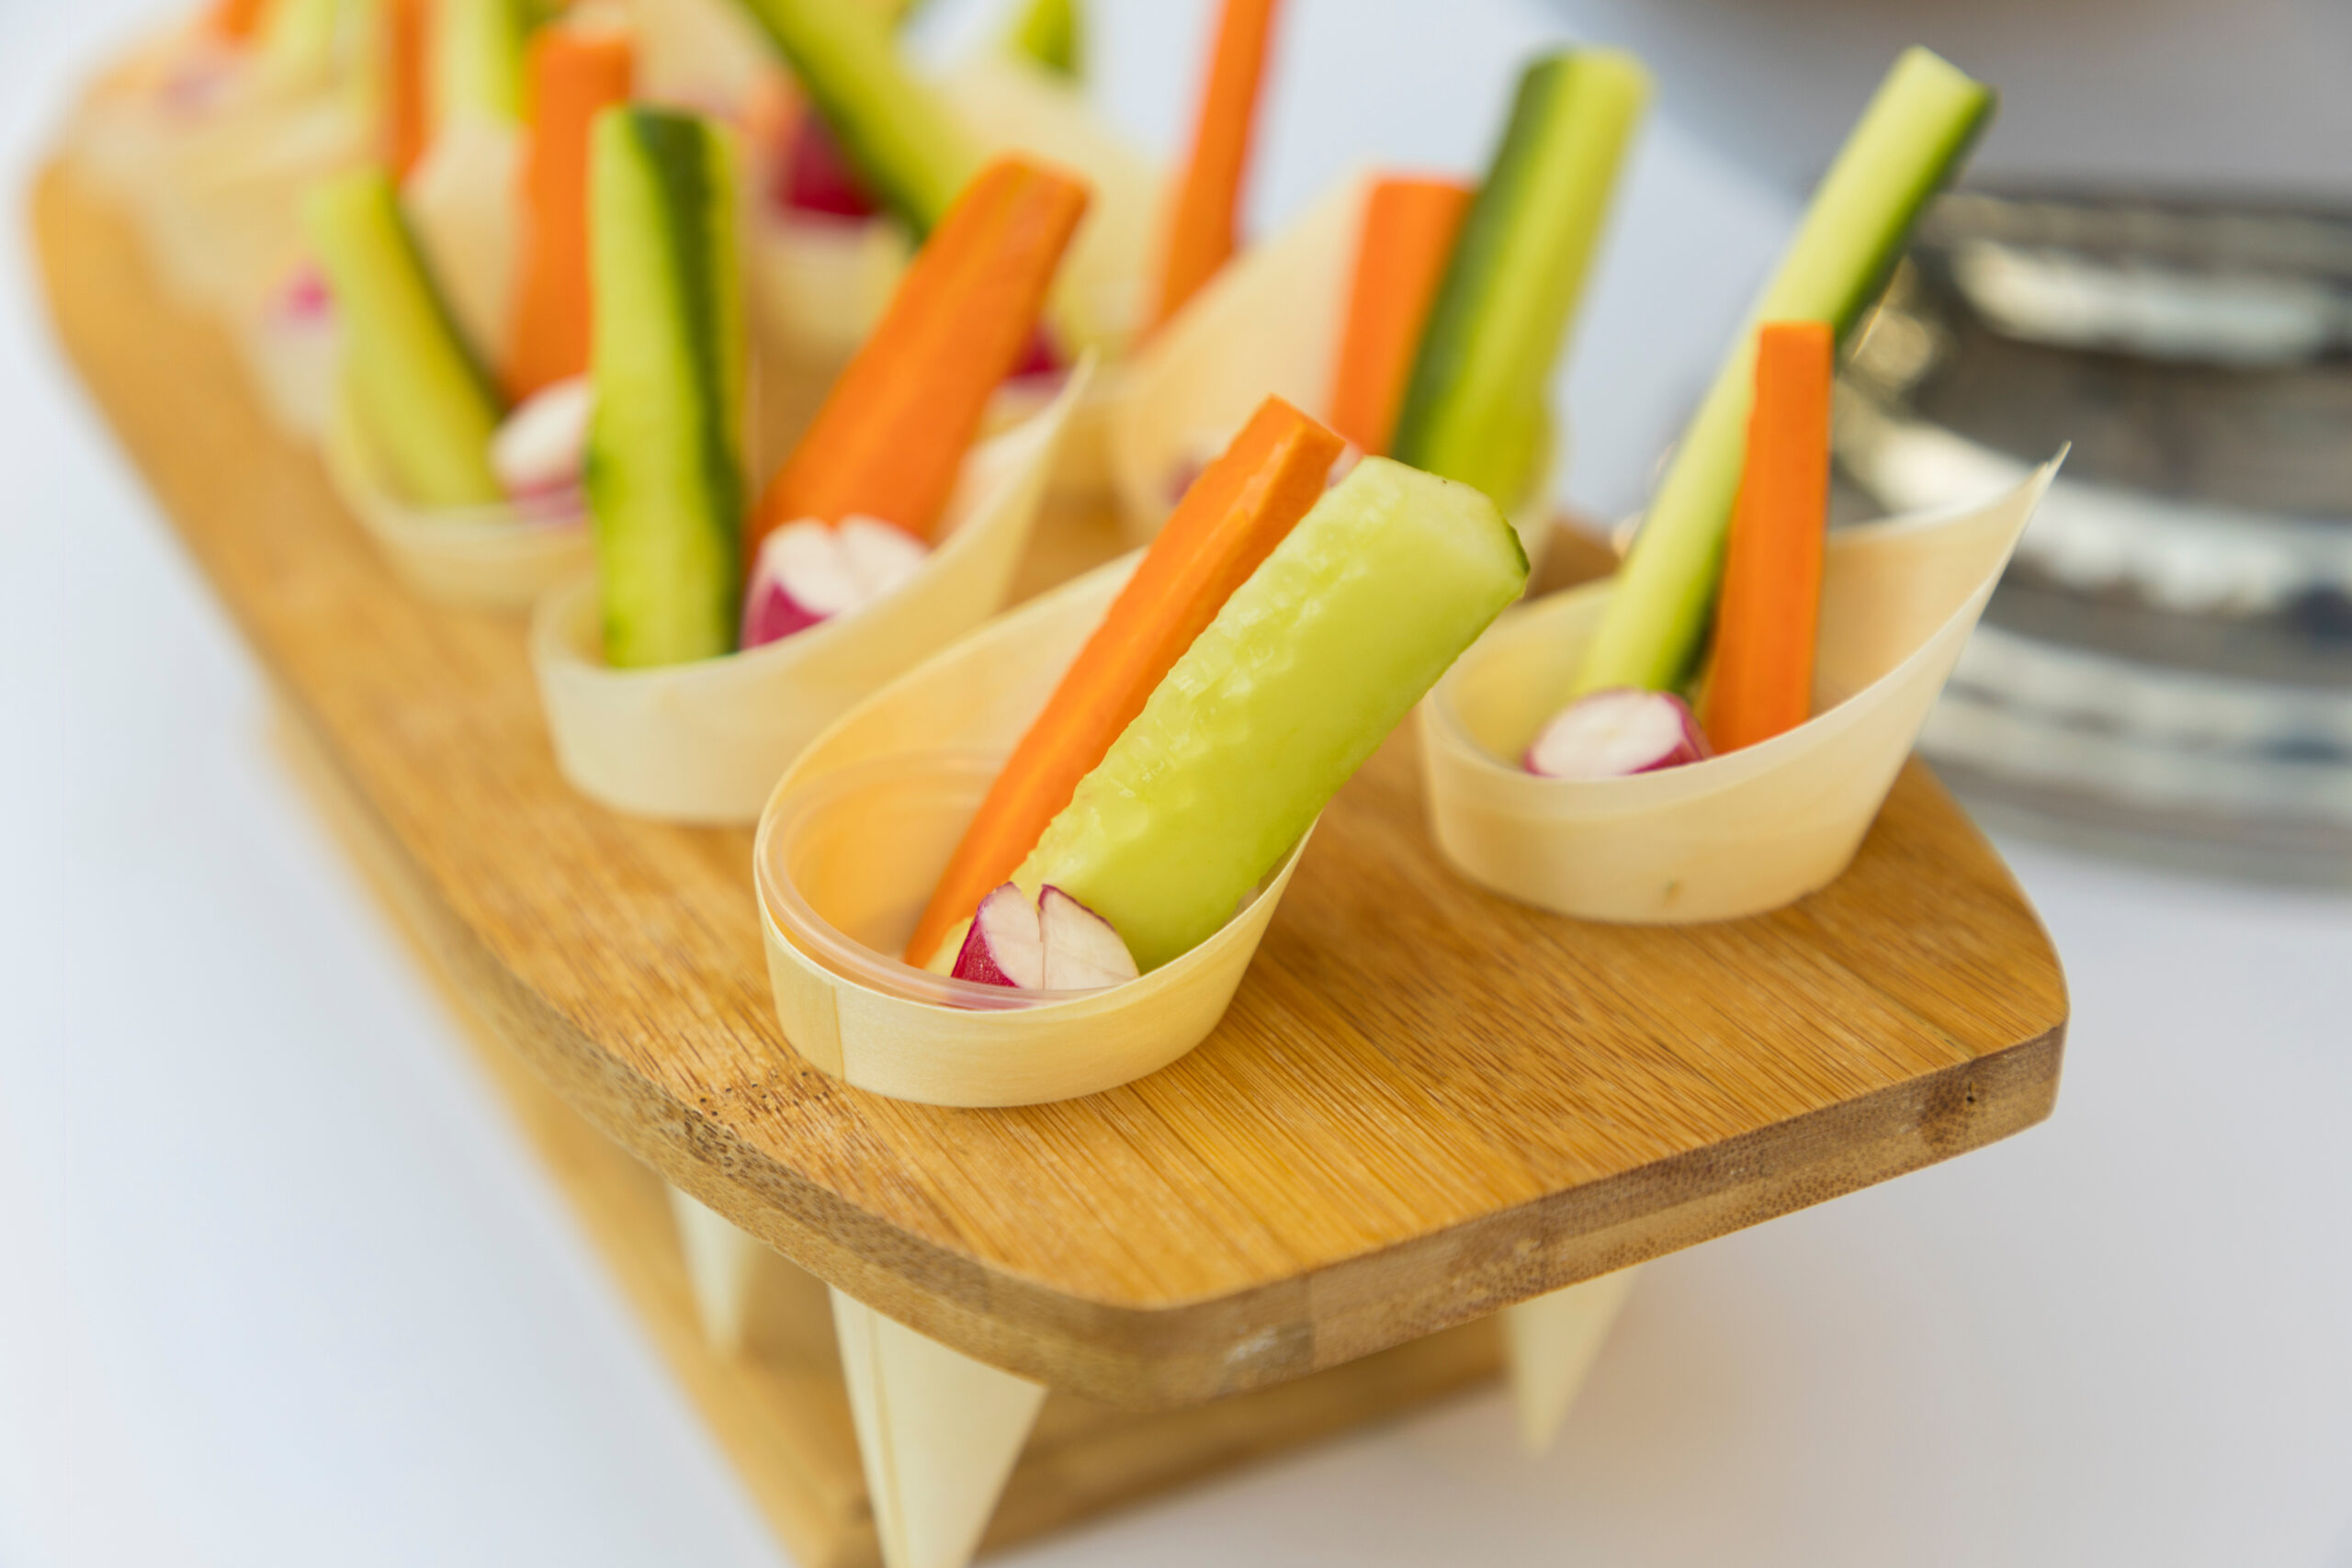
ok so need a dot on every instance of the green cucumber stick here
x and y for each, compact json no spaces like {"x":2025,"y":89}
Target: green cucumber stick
{"x":422,"y":401}
{"x":1052,"y":33}
{"x":296,"y":38}
{"x":1473,"y":407}
{"x":1909,"y":141}
{"x":1310,"y":665}
{"x":478,"y":49}
{"x":894,"y":126}
{"x":665,"y":467}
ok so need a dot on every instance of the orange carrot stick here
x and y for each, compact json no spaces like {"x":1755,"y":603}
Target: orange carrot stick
{"x":406,"y":24}
{"x":1768,"y":615}
{"x":574,"y":72}
{"x":1233,"y":516}
{"x":235,"y":20}
{"x":1408,"y":232}
{"x":892,"y":433}
{"x":1201,"y":228}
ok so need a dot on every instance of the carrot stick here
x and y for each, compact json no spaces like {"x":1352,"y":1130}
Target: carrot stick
{"x":1771,"y":610}
{"x":1231,"y":520}
{"x":1408,"y":232}
{"x":406,"y":25}
{"x":891,"y":436}
{"x":1201,"y":226}
{"x":574,"y":72}
{"x":235,"y":20}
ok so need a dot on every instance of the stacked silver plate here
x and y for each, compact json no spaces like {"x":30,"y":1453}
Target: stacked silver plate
{"x":2168,"y":665}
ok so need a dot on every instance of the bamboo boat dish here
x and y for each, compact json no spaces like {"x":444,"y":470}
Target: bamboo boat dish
{"x":1270,"y":323}
{"x":705,"y":742}
{"x":1738,"y":834}
{"x":503,"y":557}
{"x":853,"y":841}
{"x":209,"y":146}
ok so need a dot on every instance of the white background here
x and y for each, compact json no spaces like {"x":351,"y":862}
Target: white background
{"x":278,"y":1286}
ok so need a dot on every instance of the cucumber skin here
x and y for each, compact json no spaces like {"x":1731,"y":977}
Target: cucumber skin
{"x":900,"y":135}
{"x":1473,"y":406}
{"x":478,"y":49}
{"x":665,"y":478}
{"x":1304,"y":673}
{"x":1656,"y":621}
{"x":1052,"y":35}
{"x":422,"y":400}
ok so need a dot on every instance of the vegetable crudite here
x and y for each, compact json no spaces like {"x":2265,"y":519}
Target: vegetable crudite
{"x":1422,"y":318}
{"x":704,"y":741}
{"x":415,"y":420}
{"x":1198,"y":810}
{"x":826,"y":252}
{"x":1744,"y":831}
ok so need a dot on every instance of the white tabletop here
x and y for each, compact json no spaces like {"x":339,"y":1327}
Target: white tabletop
{"x":282,"y":1287}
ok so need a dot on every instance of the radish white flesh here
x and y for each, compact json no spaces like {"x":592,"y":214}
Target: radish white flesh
{"x":810,"y":573}
{"x":1006,"y":946}
{"x":1054,"y":944}
{"x":1082,"y":952}
{"x":1616,"y":733}
{"x":541,"y":447}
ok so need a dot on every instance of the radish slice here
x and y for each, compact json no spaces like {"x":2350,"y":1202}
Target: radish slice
{"x":816,"y":177}
{"x":1616,"y":733}
{"x":303,"y":300}
{"x":1054,"y":944}
{"x":1006,"y":946}
{"x":1082,"y":951}
{"x":808,"y":571}
{"x":543,"y":444}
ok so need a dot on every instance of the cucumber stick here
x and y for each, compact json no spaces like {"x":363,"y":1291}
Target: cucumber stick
{"x":478,"y":47}
{"x":423,"y":404}
{"x":665,"y":477}
{"x":1051,"y":33}
{"x":895,"y":128}
{"x":297,"y":39}
{"x":1473,"y":405}
{"x":1310,"y":664}
{"x":1909,"y":141}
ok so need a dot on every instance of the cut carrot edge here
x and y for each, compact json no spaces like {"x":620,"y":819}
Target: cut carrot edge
{"x":574,"y":74}
{"x":1768,"y":618}
{"x":1409,"y":229}
{"x":891,"y":437}
{"x":1242,"y":505}
{"x":1204,"y":222}
{"x":408,"y":26}
{"x":235,"y":20}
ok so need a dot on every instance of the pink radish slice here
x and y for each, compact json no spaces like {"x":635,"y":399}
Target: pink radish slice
{"x":816,"y":176}
{"x":303,"y":298}
{"x":1616,"y":733}
{"x":1006,"y":946}
{"x":808,"y":572}
{"x":1040,"y":359}
{"x":1054,"y":944}
{"x":540,"y":449}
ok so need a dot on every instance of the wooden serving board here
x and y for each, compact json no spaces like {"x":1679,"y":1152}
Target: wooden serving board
{"x":779,"y":1405}
{"x":1425,"y":1103}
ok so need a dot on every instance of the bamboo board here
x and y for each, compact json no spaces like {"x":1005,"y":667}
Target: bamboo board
{"x":779,"y":1408}
{"x":1426,"y":1103}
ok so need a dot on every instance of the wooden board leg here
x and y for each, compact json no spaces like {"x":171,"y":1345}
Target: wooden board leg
{"x":720,"y":1257}
{"x":938,"y":1431}
{"x":1553,"y":1342}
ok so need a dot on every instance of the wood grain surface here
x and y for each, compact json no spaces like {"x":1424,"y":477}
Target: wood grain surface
{"x":1425,"y":1103}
